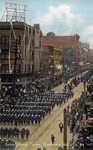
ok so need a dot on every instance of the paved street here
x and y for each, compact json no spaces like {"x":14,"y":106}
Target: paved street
{"x":43,"y":44}
{"x":41,"y":135}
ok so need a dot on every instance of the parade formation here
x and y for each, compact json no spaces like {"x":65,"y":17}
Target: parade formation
{"x":46,"y":82}
{"x":33,"y":110}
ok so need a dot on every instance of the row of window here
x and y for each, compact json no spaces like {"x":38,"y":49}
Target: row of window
{"x":5,"y":39}
{"x":5,"y":68}
{"x":5,"y":53}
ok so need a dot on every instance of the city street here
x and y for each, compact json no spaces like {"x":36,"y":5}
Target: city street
{"x":40,"y":136}
{"x":46,"y":75}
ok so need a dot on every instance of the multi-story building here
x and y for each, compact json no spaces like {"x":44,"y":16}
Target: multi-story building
{"x":51,"y":61}
{"x":20,"y":46}
{"x":44,"y":63}
{"x":90,"y":56}
{"x":65,"y":42}
{"x":48,"y":62}
{"x":84,"y":52}
{"x":37,"y":47}
{"x":69,"y":59}
{"x":84,"y":45}
{"x":57,"y":61}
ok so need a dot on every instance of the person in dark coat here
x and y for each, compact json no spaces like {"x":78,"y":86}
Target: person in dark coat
{"x":17,"y":133}
{"x":27,"y":133}
{"x":61,"y":127}
{"x":22,"y":132}
{"x":52,"y":138}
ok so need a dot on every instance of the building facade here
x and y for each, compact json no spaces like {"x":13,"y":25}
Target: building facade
{"x":64,"y":42}
{"x":20,"y":46}
{"x":90,"y":56}
{"x":44,"y":62}
{"x":48,"y":51}
{"x":69,"y":59}
{"x":57,"y":61}
{"x":84,"y":52}
{"x":52,"y":60}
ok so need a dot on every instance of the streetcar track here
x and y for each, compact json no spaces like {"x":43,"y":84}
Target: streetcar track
{"x":50,"y":122}
{"x":35,"y":130}
{"x":48,"y":125}
{"x":64,"y":105}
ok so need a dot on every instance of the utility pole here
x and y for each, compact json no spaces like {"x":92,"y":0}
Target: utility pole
{"x":65,"y":129}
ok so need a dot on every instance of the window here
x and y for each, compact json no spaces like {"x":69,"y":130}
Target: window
{"x":28,"y":68}
{"x":18,"y":39}
{"x":4,"y":39}
{"x":4,"y":53}
{"x":18,"y":53}
{"x":4,"y":68}
{"x":18,"y":68}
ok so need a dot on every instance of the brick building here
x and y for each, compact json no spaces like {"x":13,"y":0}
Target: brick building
{"x":84,"y":52}
{"x":69,"y":59}
{"x":57,"y":61}
{"x":49,"y":60}
{"x":90,"y":56}
{"x":64,"y":42}
{"x":26,"y":51}
{"x":44,"y":62}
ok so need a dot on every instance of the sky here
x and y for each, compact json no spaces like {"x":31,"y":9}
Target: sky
{"x":63,"y":17}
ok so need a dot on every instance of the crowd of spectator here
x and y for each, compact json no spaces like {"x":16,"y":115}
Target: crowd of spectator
{"x":23,"y":109}
{"x":19,"y":108}
{"x":80,"y":118}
